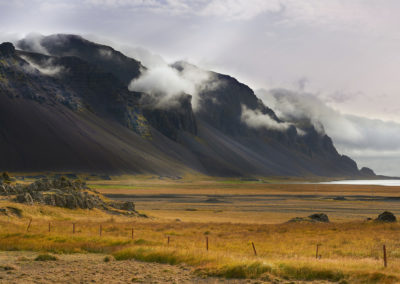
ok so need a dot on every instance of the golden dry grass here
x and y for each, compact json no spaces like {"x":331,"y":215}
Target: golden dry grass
{"x":350,"y":250}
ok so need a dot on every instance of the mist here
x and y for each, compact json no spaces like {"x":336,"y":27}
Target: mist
{"x":256,"y":119}
{"x":47,"y":67}
{"x":371,"y":142}
{"x":166,"y":83}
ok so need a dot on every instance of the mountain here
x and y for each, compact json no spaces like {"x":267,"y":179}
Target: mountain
{"x":68,"y":108}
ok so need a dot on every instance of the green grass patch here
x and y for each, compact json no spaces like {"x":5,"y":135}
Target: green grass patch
{"x":308,"y":273}
{"x":242,"y":270}
{"x":45,"y":257}
{"x":159,"y":256}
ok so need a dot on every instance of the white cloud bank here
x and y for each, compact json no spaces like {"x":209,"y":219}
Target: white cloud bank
{"x":166,"y":83}
{"x":256,"y":119}
{"x":46,"y":67}
{"x":371,"y":142}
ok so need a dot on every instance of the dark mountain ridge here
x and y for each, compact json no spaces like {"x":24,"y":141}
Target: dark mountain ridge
{"x":71,"y":110}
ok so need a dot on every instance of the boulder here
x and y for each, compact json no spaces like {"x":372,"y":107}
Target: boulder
{"x":127,"y":206}
{"x":386,"y":217}
{"x":71,"y":201}
{"x":319,"y":217}
{"x":60,"y":200}
{"x":24,"y":198}
{"x":49,"y":199}
{"x":339,"y":198}
{"x":314,"y":218}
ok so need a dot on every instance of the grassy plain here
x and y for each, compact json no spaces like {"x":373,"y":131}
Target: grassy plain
{"x":232,"y":214}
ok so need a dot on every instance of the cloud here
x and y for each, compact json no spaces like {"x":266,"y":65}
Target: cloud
{"x":300,"y":107}
{"x":166,"y":83}
{"x":240,"y":9}
{"x":9,"y":37}
{"x":107,"y":53}
{"x":226,"y":9}
{"x":147,"y":58}
{"x":32,"y":42}
{"x":371,"y":142}
{"x":256,"y":119}
{"x":170,"y":6}
{"x":46,"y":67}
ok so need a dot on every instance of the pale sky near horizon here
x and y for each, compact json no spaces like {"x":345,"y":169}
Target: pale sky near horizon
{"x":341,"y":56}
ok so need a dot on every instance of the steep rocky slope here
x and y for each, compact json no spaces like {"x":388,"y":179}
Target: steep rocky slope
{"x":70,"y":109}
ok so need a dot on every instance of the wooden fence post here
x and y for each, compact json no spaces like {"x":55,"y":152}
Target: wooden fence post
{"x":100,"y":230}
{"x":384,"y":256}
{"x":73,"y":228}
{"x":29,"y":225}
{"x":254,"y":249}
{"x":316,"y":253}
{"x":168,"y":241}
{"x":207,"y":243}
{"x":132,"y":233}
{"x":49,"y":227}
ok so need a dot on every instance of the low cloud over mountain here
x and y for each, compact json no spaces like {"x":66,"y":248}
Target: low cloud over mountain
{"x":92,"y":108}
{"x":373,"y":142}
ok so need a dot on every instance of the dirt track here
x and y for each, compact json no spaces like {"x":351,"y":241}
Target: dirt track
{"x":20,"y":267}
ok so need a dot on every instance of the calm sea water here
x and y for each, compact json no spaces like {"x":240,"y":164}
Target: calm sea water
{"x":384,"y":182}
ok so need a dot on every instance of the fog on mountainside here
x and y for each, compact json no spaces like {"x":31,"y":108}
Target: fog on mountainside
{"x":92,"y":108}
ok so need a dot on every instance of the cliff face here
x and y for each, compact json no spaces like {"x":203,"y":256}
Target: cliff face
{"x":70,"y":109}
{"x":102,"y":56}
{"x":173,"y":120}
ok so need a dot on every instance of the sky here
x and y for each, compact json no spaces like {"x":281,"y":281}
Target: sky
{"x":336,"y":60}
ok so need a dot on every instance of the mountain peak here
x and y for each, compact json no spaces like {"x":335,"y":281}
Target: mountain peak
{"x":94,"y":123}
{"x":103,"y":56}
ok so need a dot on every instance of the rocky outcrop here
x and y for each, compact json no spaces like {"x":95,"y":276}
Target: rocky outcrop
{"x":128,"y":205}
{"x":319,"y":217}
{"x":314,"y":218}
{"x":367,"y":172}
{"x":386,"y":217}
{"x":7,"y":49}
{"x":62,"y":192}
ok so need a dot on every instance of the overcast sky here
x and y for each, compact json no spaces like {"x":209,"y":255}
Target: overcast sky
{"x":342,"y":56}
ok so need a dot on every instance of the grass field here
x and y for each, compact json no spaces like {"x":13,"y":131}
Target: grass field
{"x":231,"y":214}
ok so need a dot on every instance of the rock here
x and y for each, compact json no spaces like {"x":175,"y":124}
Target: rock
{"x":340,"y":198}
{"x":37,"y":196}
{"x":64,"y":193}
{"x":24,"y":198}
{"x":49,"y":199}
{"x":367,"y":172}
{"x":71,"y":202}
{"x":127,"y":206}
{"x":7,"y":49}
{"x":60,"y":200}
{"x":319,"y":217}
{"x":386,"y":217}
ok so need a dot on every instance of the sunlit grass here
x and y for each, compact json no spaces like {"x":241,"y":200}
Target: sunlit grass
{"x":349,"y":251}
